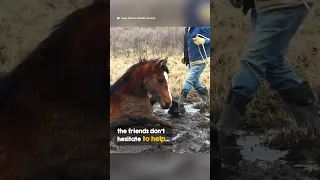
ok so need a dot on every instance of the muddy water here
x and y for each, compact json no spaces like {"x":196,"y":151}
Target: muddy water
{"x":246,"y":156}
{"x":192,"y":139}
{"x":172,"y":161}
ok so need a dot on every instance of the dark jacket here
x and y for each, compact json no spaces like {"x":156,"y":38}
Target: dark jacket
{"x":191,"y":50}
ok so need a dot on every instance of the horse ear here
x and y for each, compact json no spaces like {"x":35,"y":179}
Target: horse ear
{"x":165,"y":58}
{"x":142,"y":60}
{"x":163,"y":62}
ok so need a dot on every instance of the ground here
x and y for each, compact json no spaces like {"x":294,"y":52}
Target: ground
{"x":272,"y":139}
{"x":194,"y":138}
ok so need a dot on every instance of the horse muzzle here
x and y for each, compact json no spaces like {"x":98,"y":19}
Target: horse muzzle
{"x":165,"y":105}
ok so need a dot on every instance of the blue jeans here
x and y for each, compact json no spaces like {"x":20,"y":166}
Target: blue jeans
{"x":264,"y":57}
{"x":193,"y":78}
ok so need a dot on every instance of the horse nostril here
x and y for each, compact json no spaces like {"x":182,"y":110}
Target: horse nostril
{"x":165,"y":105}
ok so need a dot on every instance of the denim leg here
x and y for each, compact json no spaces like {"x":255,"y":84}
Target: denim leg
{"x":196,"y":79}
{"x":253,"y":18}
{"x":189,"y":81}
{"x":279,"y":74}
{"x":265,"y":46}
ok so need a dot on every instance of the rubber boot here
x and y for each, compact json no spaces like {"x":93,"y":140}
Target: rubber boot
{"x":181,"y":100}
{"x":204,"y":94}
{"x":232,"y":114}
{"x":174,"y":109}
{"x":205,"y":105}
{"x":302,"y":104}
{"x":177,"y":107}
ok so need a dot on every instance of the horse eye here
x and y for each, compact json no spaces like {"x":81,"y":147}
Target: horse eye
{"x":160,"y":81}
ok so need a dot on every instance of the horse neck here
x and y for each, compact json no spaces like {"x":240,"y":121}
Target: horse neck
{"x":134,"y":88}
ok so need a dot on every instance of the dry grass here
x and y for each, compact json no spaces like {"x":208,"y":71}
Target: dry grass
{"x":129,"y":44}
{"x":293,"y":137}
{"x":231,"y":33}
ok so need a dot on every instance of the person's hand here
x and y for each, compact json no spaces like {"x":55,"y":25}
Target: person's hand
{"x":198,"y":40}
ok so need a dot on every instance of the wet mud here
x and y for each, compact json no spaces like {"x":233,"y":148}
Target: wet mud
{"x":246,"y":156}
{"x":194,"y":136}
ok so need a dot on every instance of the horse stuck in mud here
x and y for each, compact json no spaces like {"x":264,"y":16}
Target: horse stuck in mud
{"x":129,"y":101}
{"x":53,"y":116}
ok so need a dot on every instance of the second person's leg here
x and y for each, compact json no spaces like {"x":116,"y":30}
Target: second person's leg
{"x":285,"y":80}
{"x":198,"y":86}
{"x":263,"y":48}
{"x":186,"y":88}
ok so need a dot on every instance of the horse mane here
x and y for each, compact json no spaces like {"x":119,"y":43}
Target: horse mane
{"x":126,"y":77}
{"x":50,"y":53}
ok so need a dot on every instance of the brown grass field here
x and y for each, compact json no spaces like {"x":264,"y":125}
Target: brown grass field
{"x":129,"y":44}
{"x":231,"y":33}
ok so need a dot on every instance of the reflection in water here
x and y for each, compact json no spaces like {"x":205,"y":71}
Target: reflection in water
{"x":250,"y":147}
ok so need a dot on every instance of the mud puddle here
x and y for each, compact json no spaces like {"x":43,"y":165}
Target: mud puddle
{"x":246,"y":157}
{"x":195,"y":136}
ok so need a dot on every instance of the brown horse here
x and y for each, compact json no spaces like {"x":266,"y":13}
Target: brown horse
{"x":129,"y":100}
{"x":53,"y":106}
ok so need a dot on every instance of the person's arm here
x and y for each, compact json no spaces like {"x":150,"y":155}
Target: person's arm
{"x":205,"y":32}
{"x":203,"y":36}
{"x":184,"y":60}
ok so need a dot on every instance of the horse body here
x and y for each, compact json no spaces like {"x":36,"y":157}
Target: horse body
{"x":53,"y":105}
{"x":129,"y":100}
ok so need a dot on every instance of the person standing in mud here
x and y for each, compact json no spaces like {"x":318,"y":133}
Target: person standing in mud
{"x":196,"y":57}
{"x":274,"y":24}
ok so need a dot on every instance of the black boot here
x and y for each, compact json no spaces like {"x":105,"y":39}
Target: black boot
{"x":232,"y":114}
{"x":174,"y":109}
{"x":302,"y":104}
{"x":204,"y":94}
{"x":177,"y":108}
